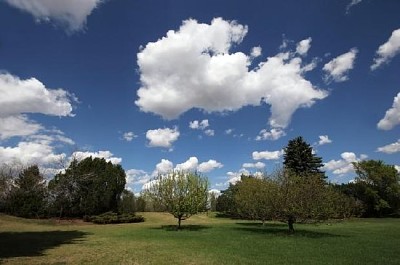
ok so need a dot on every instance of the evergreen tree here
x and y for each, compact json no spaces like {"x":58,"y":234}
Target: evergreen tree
{"x":300,"y":159}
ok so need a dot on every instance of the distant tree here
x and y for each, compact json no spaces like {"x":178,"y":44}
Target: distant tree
{"x":7,"y":175}
{"x":183,"y":194}
{"x":212,"y":201}
{"x":256,"y":198}
{"x":140,"y":205}
{"x":128,"y":202}
{"x":226,"y":203}
{"x":28,"y":194}
{"x":300,"y":159}
{"x":378,"y":186}
{"x":88,"y":187}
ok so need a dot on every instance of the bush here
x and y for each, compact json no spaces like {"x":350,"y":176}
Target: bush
{"x":114,"y":218}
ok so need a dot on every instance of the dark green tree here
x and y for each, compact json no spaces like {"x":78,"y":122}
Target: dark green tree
{"x":300,"y":159}
{"x":226,"y":203}
{"x":28,"y":194}
{"x":128,"y":202}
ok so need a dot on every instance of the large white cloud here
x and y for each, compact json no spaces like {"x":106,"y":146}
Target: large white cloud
{"x":338,"y":68}
{"x":189,"y":165}
{"x":209,"y":166}
{"x":69,"y":13}
{"x":193,"y":68}
{"x":392,"y":115}
{"x":390,"y":148}
{"x":267,"y":155}
{"x":21,"y":97}
{"x":165,"y":166}
{"x":343,"y":165}
{"x":388,"y":50}
{"x":162,"y":137}
{"x":107,"y":155}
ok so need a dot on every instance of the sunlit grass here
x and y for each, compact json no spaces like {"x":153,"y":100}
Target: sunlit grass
{"x":204,"y":240}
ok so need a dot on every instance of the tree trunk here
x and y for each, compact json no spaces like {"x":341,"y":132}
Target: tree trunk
{"x":290,"y":224}
{"x":179,"y":222}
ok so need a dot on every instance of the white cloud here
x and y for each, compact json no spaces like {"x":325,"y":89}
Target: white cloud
{"x":397,"y":168}
{"x":71,"y":14}
{"x":162,"y":137}
{"x":137,"y":176}
{"x":324,"y":139}
{"x":338,"y":68}
{"x":21,"y":97}
{"x":351,"y":4}
{"x":201,"y":125}
{"x":343,"y":165}
{"x":234,"y":177}
{"x":229,"y":131}
{"x":107,"y":155}
{"x":209,"y":166}
{"x":390,"y":148}
{"x":193,"y":68}
{"x":190,"y":165}
{"x":267,"y":155}
{"x":209,"y":132}
{"x":303,"y":46}
{"x":256,"y":52}
{"x":129,"y":136}
{"x":258,"y":165}
{"x":273,"y":134}
{"x":165,"y":166}
{"x":392,"y":115}
{"x":216,"y":192}
{"x":387,"y":50}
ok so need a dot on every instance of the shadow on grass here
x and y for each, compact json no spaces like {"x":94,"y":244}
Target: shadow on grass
{"x":281,"y":230}
{"x":28,"y":244}
{"x":183,"y":227}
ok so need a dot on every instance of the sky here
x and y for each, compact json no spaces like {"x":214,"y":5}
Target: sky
{"x":215,"y":86}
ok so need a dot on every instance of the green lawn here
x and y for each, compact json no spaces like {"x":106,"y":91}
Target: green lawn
{"x":204,"y":240}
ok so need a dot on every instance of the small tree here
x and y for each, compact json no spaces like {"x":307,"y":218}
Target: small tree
{"x":183,"y":194}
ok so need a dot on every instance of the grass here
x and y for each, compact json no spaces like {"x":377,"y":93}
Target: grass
{"x":203,"y":240}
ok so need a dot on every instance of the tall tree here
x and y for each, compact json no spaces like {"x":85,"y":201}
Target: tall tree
{"x":300,"y":159}
{"x":183,"y":194}
{"x":378,"y":186}
{"x":28,"y":194}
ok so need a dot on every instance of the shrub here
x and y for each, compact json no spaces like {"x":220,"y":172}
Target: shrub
{"x":114,"y":218}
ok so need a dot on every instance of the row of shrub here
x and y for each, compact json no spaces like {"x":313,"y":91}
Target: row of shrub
{"x":114,"y":218}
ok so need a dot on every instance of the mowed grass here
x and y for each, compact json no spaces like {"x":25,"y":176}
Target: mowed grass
{"x":204,"y":240}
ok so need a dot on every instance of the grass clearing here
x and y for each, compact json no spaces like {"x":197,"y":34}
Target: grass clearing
{"x":204,"y":240}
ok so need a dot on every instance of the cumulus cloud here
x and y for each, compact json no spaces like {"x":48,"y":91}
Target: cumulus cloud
{"x":193,"y":68}
{"x":129,"y":136}
{"x":190,"y":165}
{"x":209,"y":166}
{"x":324,"y":139}
{"x":351,"y":4}
{"x":256,"y":52}
{"x":390,"y":148}
{"x":343,"y":165}
{"x":71,"y":14}
{"x":201,"y":125}
{"x":107,"y":155}
{"x":209,"y":132}
{"x":388,"y":50}
{"x":20,"y":97}
{"x":392,"y":116}
{"x":273,"y":134}
{"x":267,"y":155}
{"x":162,"y":137}
{"x":163,"y":167}
{"x":303,"y":46}
{"x":258,"y":165}
{"x":136,"y":177}
{"x":338,"y":68}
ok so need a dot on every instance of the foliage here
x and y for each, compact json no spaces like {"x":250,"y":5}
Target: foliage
{"x":128,"y":202}
{"x":114,"y":218}
{"x":300,"y":159}
{"x":226,"y":203}
{"x":28,"y":194}
{"x":183,"y":194}
{"x":212,"y":201}
{"x":89,"y":187}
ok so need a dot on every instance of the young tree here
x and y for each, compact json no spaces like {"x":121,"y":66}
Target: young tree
{"x":28,"y":194}
{"x":300,"y":159}
{"x":378,"y":186}
{"x":183,"y":194}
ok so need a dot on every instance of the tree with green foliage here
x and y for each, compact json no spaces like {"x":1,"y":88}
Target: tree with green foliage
{"x":28,"y":194}
{"x":183,"y":194}
{"x":88,"y":187}
{"x":128,"y":202}
{"x":378,"y":186}
{"x":226,"y":203}
{"x":300,"y":159}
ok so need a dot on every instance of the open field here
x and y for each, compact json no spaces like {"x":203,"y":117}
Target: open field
{"x":204,"y":240}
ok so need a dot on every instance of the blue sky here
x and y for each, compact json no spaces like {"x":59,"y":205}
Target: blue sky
{"x":214,"y":86}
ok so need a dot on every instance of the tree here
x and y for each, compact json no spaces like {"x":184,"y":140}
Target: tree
{"x":300,"y":159}
{"x":256,"y":198}
{"x":88,"y":187}
{"x":378,"y":186}
{"x":28,"y":194}
{"x":183,"y":194}
{"x":128,"y":202}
